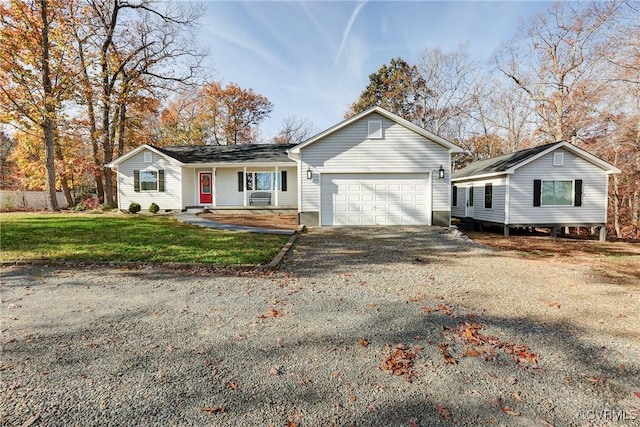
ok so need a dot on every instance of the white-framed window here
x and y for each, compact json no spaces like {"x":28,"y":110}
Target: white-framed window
{"x":148,"y":157}
{"x":374,"y":129}
{"x":263,"y":181}
{"x":557,"y":193}
{"x":488,"y":196}
{"x":148,"y":180}
{"x":558,"y":159}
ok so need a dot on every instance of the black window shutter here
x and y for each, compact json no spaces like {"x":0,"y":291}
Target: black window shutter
{"x":136,"y":180}
{"x":161,"y":180}
{"x":454,"y":196}
{"x":537,"y":191}
{"x":577,"y":200}
{"x":240,"y":182}
{"x":283,"y":180}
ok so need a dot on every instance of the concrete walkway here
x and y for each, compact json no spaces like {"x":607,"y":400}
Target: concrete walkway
{"x":190,"y":218}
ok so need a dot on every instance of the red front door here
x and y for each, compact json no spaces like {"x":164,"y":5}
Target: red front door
{"x":206,"y":187}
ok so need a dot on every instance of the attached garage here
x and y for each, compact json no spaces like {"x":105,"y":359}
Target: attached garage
{"x":374,"y":168}
{"x":375,"y":199}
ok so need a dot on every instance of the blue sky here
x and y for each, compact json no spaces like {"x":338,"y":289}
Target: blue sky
{"x":312,"y":59}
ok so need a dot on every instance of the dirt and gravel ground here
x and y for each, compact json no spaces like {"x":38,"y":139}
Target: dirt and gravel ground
{"x":376,"y":327}
{"x":283,"y":222}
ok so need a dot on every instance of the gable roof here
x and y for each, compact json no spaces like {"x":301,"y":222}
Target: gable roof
{"x":389,"y":115}
{"x":508,"y":163}
{"x":263,"y":153}
{"x":206,"y":154}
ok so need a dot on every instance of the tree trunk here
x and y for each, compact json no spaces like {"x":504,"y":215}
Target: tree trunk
{"x":635,"y":214}
{"x":49,"y":115}
{"x":616,"y":206}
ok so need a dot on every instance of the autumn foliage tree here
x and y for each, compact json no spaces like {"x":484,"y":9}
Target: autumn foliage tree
{"x":217,"y":115}
{"x":34,"y":80}
{"x":394,"y":87}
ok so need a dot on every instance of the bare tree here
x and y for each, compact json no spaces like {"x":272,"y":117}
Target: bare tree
{"x":446,"y":93}
{"x":294,"y":131}
{"x":553,"y":61}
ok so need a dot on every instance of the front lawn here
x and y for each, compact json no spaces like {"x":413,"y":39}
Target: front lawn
{"x":117,"y":237}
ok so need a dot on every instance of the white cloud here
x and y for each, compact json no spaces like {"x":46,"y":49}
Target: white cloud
{"x":347,"y":30}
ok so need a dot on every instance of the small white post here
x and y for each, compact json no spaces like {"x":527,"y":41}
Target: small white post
{"x":275,"y":184}
{"x":244,"y":186}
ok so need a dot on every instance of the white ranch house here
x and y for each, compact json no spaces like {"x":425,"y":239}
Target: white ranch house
{"x":553,"y":185}
{"x":374,"y":168}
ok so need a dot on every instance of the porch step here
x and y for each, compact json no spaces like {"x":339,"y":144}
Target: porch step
{"x":194,"y":209}
{"x":253,"y":210}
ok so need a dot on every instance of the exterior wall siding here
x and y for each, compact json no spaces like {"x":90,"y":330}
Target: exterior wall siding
{"x":171,"y":198}
{"x":348,"y":150}
{"x":189,"y":185}
{"x":497,"y":211}
{"x":458,"y":210}
{"x":594,"y":192}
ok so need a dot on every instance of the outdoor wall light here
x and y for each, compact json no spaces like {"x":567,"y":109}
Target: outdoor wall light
{"x":441,"y":172}
{"x":309,"y":173}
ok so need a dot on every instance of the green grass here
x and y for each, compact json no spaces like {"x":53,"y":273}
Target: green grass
{"x":116,"y":237}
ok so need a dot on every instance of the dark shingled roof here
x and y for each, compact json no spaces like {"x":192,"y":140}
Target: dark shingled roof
{"x":501,"y":163}
{"x":228,"y":153}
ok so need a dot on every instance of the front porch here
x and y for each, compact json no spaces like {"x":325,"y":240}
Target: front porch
{"x":245,"y":188}
{"x":244,"y":210}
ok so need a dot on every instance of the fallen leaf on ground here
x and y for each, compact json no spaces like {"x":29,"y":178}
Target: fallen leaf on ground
{"x":276,"y":370}
{"x":373,"y":407}
{"x":445,"y":309}
{"x":443,"y":412}
{"x":271,"y":313}
{"x":473,"y":352}
{"x":214,"y":409}
{"x":232,"y":385}
{"x":510,"y":411}
{"x":363,"y":342}
{"x":598,"y":379}
{"x":517,"y":396}
{"x":419,"y":297}
{"x":414,"y":423}
{"x":352,"y":398}
{"x":637,"y":394}
{"x":553,"y":304}
{"x":496,"y":402}
{"x":444,"y":349}
{"x":400,"y":362}
{"x":512,"y":380}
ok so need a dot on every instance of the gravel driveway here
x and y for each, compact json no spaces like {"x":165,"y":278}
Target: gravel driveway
{"x":365,"y":327}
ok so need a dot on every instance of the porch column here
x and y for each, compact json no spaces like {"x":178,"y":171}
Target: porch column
{"x":244,"y":186}
{"x":276,"y":187}
{"x":214,"y":191}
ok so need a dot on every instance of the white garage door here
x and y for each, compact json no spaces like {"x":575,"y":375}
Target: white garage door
{"x":375,"y":199}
